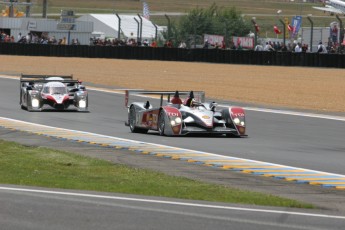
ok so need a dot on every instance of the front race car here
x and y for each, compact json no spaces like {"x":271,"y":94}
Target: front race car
{"x":201,"y":120}
{"x":176,"y":118}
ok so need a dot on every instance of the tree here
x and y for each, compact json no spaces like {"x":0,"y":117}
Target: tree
{"x":196,"y":23}
{"x":232,"y":21}
{"x":214,"y":20}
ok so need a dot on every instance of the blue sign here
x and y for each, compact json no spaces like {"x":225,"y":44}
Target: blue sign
{"x":296,"y":24}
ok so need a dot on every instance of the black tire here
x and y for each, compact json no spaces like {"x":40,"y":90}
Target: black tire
{"x":161,"y":123}
{"x":20,"y":97}
{"x":27,"y":105}
{"x":132,"y":121}
{"x":21,"y":101}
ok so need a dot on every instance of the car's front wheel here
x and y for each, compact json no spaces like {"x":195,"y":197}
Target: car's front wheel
{"x":132,"y":122}
{"x":27,"y":105}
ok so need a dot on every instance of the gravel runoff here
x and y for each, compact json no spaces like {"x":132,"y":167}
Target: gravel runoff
{"x":323,"y":198}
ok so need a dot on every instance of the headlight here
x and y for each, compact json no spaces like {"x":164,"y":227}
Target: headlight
{"x":82,"y":104}
{"x":175,"y":121}
{"x":237,"y":121}
{"x":242,"y":123}
{"x":35,"y":102}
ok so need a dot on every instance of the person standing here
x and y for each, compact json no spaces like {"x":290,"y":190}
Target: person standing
{"x":154,"y":44}
{"x":206,"y":44}
{"x":19,"y":37}
{"x":298,"y":48}
{"x":321,"y":48}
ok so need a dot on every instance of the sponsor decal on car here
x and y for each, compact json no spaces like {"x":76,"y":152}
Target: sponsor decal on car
{"x":150,"y":119}
{"x":237,"y":114}
{"x":172,"y":114}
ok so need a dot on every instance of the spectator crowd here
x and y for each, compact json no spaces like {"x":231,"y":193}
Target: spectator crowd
{"x":269,"y":46}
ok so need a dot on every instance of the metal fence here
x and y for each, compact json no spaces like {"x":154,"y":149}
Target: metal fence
{"x":247,"y":57}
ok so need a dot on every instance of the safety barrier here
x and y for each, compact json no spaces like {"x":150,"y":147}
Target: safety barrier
{"x":247,"y":57}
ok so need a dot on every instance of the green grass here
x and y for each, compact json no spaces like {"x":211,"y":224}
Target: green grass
{"x":37,"y":166}
{"x":246,"y":6}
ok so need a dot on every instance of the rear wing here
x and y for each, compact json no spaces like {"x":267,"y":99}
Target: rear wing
{"x":45,"y":78}
{"x":198,"y":95}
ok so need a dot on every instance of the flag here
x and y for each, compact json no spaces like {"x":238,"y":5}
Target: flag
{"x":296,"y":25}
{"x":276,"y":30}
{"x":146,"y":11}
{"x":290,"y":28}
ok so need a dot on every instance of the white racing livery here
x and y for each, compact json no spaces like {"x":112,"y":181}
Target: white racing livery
{"x":177,"y":117}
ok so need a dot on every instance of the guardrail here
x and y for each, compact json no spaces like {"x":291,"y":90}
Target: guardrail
{"x":247,"y":57}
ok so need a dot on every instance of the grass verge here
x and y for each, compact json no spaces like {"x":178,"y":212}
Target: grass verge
{"x":37,"y":166}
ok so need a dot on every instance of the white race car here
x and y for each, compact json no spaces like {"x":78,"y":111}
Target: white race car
{"x":46,"y":92}
{"x":177,"y":117}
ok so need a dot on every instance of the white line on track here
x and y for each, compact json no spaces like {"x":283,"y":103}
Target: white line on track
{"x":293,"y":113}
{"x":284,"y":112}
{"x":209,"y":154}
{"x":160,"y":145}
{"x":9,"y":77}
{"x":168,"y":202}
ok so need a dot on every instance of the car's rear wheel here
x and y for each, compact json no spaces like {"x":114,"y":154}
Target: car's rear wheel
{"x":161,"y":123}
{"x":132,"y":122}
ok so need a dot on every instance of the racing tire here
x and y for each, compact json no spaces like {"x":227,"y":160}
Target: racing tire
{"x":21,"y":102}
{"x":161,"y":123}
{"x":132,"y":122}
{"x":27,"y":105}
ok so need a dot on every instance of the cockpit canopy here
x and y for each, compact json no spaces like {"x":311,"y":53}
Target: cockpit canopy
{"x":54,"y":88}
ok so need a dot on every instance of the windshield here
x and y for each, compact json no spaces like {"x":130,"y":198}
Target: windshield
{"x":58,"y":90}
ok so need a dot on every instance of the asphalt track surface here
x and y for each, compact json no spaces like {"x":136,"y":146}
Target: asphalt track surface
{"x":62,"y":209}
{"x":304,"y":142}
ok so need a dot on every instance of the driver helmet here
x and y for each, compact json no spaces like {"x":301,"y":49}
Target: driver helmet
{"x":192,"y":102}
{"x":176,"y":99}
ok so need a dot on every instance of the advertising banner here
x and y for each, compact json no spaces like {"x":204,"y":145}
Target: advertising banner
{"x":214,"y":39}
{"x":296,"y":25}
{"x":244,"y":42}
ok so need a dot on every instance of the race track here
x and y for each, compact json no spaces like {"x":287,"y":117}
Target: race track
{"x":298,"y":141}
{"x":304,"y":142}
{"x":37,"y":209}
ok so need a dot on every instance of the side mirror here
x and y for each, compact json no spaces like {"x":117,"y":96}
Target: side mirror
{"x":213,"y":106}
